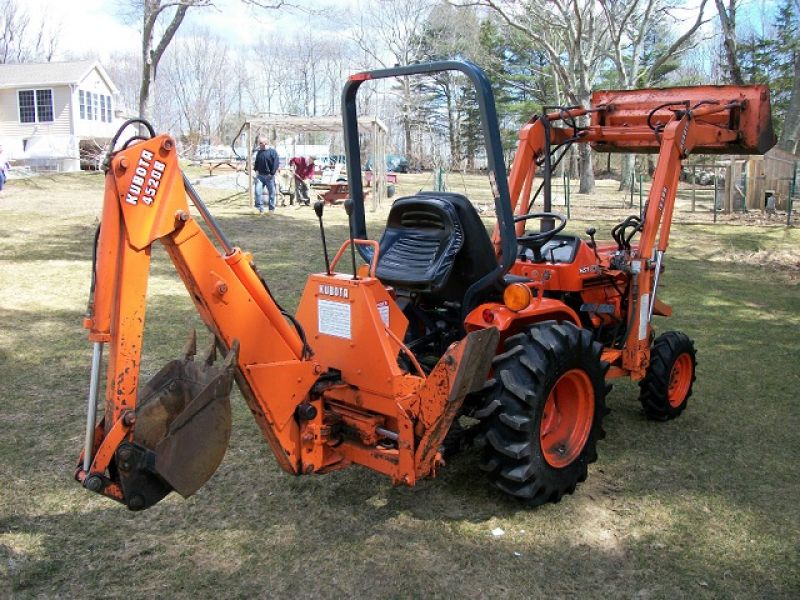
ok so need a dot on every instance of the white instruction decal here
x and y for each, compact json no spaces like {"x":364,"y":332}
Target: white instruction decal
{"x":644,"y":312}
{"x":334,"y":318}
{"x":383,"y":309}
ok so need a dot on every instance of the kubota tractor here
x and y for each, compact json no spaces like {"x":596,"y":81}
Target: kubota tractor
{"x":519,"y":331}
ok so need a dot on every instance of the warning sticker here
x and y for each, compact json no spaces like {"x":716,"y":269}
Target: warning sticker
{"x":334,"y":318}
{"x":383,"y":309}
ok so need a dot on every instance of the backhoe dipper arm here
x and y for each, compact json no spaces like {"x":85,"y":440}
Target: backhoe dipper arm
{"x":145,"y":201}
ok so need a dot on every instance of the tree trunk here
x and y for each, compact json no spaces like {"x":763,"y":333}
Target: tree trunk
{"x":587,"y":170}
{"x":574,"y":162}
{"x":150,"y":55}
{"x":628,"y":164}
{"x":727,"y":19}
{"x":790,"y":136}
{"x":585,"y":153}
{"x":407,"y":119}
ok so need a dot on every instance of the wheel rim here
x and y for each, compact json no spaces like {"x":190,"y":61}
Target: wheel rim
{"x":680,"y":378}
{"x":567,"y":418}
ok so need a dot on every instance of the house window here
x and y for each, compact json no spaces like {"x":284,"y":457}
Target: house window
{"x":27,"y":108}
{"x":44,"y":105}
{"x":82,"y":99}
{"x":35,"y":106}
{"x":103,"y":108}
{"x":94,"y":106}
{"x":109,"y":114}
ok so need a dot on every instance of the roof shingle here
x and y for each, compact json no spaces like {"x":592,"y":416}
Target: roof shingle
{"x":54,"y":73}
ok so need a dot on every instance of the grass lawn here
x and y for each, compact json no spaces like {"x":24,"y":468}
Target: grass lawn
{"x":706,"y":506}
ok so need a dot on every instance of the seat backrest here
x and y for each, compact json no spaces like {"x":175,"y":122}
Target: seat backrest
{"x":435,"y":243}
{"x":419,"y":245}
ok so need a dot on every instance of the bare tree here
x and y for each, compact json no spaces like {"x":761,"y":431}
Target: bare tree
{"x":161,"y":19}
{"x":21,"y":39}
{"x":630,"y":23}
{"x":125,"y":70}
{"x":575,"y":36}
{"x":201,"y":88}
{"x":727,"y":21}
{"x":388,"y":33}
{"x":153,"y":13}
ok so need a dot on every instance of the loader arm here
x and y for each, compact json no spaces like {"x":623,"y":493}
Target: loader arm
{"x":672,"y":122}
{"x":317,"y":405}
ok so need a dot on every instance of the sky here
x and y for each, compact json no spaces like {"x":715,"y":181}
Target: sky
{"x":103,"y":23}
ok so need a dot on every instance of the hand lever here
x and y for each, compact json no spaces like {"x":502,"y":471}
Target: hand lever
{"x":319,"y":205}
{"x":348,"y":208}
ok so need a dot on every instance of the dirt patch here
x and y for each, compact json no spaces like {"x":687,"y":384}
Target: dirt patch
{"x":784,"y":261}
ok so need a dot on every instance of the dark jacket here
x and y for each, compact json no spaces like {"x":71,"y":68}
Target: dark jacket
{"x":267,"y":161}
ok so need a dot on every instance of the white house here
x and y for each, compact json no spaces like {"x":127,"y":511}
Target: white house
{"x":49,"y":112}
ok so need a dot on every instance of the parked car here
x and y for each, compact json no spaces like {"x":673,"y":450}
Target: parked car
{"x":395,"y":163}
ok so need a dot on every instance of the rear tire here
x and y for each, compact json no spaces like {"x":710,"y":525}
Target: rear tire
{"x":667,"y":385}
{"x":543,"y":412}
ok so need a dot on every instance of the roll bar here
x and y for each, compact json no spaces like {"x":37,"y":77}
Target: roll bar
{"x":494,"y":152}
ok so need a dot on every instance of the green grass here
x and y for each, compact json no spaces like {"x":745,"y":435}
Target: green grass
{"x":702,"y":507}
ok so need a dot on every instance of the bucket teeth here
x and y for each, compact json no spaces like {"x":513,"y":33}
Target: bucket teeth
{"x":210,"y":354}
{"x":232,"y":356}
{"x":190,"y":349}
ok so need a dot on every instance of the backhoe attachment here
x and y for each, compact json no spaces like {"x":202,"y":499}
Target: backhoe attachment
{"x":331,"y":387}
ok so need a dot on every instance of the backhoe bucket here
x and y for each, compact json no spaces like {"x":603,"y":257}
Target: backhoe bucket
{"x":182,"y":427}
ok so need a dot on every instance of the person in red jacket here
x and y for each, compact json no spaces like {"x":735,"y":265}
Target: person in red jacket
{"x":303,"y":173}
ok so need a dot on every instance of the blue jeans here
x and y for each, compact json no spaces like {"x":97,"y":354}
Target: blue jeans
{"x":261,"y":181}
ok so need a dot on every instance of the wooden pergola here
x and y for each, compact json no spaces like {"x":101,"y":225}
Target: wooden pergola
{"x":272,"y":125}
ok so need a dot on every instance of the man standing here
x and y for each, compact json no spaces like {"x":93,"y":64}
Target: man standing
{"x":266,"y":166}
{"x":303,"y":173}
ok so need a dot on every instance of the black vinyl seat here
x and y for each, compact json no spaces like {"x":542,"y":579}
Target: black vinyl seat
{"x":434,"y":243}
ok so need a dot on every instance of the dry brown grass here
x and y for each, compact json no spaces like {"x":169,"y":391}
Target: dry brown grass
{"x":702,"y":507}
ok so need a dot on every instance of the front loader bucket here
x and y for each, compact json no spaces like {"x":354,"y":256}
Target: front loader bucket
{"x":182,"y":428}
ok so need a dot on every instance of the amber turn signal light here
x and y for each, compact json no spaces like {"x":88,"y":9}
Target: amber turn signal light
{"x":517,"y":296}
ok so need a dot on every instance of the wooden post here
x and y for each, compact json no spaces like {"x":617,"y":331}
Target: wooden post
{"x":729,"y":186}
{"x":694,"y":186}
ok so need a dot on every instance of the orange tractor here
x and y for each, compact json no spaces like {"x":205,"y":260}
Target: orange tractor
{"x":383,"y":363}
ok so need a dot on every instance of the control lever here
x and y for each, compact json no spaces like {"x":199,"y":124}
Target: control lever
{"x":319,"y":205}
{"x":590,"y":231}
{"x":348,"y":208}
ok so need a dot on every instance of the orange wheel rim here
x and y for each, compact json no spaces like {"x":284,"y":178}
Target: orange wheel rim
{"x":680,"y":378}
{"x":567,"y":418}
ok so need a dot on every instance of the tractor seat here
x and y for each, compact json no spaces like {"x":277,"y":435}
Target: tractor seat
{"x":434,"y":243}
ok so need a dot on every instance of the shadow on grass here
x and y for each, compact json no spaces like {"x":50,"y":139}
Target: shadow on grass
{"x":636,"y":527}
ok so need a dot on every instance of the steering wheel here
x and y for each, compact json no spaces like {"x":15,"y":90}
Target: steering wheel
{"x":537,"y":239}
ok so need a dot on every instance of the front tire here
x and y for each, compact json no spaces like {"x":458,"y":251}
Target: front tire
{"x":667,"y":385}
{"x":543,"y":412}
